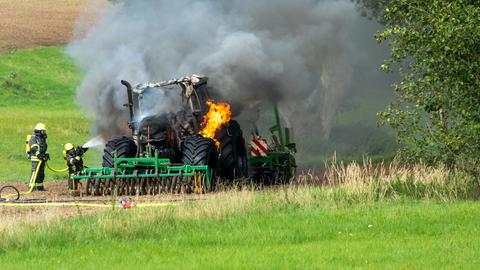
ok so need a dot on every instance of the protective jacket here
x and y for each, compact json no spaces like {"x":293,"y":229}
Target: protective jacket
{"x":38,"y":147}
{"x":74,"y":159}
{"x":38,"y":154}
{"x":75,"y":165}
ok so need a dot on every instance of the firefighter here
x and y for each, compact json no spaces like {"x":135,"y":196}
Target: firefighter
{"x":74,"y":158}
{"x":37,"y":152}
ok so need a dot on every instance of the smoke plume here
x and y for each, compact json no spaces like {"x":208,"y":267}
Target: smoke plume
{"x":254,"y":52}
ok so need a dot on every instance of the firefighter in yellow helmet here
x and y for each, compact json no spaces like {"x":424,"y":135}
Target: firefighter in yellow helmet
{"x":74,"y":158}
{"x":37,"y":152}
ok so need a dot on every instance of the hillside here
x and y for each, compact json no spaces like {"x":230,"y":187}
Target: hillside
{"x":37,"y":85}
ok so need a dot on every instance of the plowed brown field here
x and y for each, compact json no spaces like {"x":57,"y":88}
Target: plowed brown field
{"x":30,"y":23}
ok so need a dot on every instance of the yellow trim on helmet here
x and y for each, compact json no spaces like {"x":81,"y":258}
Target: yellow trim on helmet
{"x":41,"y":126}
{"x":68,"y":147}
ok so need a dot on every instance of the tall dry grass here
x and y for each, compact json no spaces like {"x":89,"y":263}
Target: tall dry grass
{"x":373,"y":182}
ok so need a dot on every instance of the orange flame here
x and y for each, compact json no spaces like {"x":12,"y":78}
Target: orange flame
{"x":218,"y":114}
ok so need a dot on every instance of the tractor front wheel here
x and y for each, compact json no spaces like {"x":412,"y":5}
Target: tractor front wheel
{"x":198,"y":150}
{"x":124,"y":147}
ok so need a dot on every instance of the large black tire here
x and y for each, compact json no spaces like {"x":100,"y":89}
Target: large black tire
{"x":124,"y":146}
{"x":233,"y":160}
{"x":198,"y":150}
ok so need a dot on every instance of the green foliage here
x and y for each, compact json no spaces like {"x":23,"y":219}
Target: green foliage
{"x":373,"y":9}
{"x":435,"y":46}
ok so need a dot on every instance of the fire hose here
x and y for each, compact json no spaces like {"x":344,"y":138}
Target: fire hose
{"x":31,"y":182}
{"x":56,"y":170}
{"x":15,"y":195}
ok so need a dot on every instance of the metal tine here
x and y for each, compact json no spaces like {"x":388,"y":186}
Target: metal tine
{"x":156,"y":185}
{"x":169,"y":184}
{"x":88,"y":186}
{"x":174,"y":184}
{"x":134,"y":190}
{"x":96,"y":187}
{"x":101,"y":185}
{"x":148,"y":184}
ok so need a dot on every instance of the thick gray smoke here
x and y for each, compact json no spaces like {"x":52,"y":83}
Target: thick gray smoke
{"x":295,"y":52}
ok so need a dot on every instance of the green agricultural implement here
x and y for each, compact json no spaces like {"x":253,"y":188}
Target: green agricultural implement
{"x":146,"y":176}
{"x":273,"y":162}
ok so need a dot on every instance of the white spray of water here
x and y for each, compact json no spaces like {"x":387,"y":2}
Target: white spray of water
{"x":97,"y":142}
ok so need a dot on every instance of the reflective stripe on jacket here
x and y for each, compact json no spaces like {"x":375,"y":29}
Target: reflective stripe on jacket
{"x":38,"y":145}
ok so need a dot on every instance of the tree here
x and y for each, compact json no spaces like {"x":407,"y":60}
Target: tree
{"x":374,"y":9}
{"x":435,"y":45}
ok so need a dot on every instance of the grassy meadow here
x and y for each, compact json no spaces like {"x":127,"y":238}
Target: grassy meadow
{"x":294,"y":228}
{"x":364,"y":218}
{"x":37,"y":85}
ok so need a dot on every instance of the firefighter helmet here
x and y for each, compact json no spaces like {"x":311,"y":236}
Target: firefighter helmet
{"x":68,"y":147}
{"x":40,"y":127}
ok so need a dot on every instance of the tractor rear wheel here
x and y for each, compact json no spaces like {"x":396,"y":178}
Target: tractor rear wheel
{"x":198,"y":150}
{"x":124,"y":147}
{"x":233,"y":161}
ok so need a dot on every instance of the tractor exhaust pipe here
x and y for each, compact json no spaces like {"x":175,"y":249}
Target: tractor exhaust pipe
{"x":130,"y":98}
{"x":131,"y":107}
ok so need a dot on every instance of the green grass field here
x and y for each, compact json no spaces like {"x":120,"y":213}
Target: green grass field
{"x":38,"y":85}
{"x":246,"y":230}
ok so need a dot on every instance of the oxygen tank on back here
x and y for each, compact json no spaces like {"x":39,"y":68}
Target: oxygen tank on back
{"x":27,"y":147}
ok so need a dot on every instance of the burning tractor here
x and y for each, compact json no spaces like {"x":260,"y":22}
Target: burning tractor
{"x":181,"y":152}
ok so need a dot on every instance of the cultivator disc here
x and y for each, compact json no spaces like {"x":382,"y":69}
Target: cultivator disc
{"x":144,"y":183}
{"x":145,"y":176}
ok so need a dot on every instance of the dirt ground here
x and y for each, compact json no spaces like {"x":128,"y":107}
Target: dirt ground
{"x":31,"y":23}
{"x":56,"y":191}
